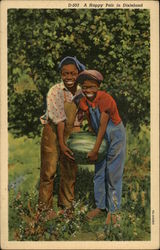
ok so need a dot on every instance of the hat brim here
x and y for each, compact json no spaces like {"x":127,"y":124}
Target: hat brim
{"x":81,"y":78}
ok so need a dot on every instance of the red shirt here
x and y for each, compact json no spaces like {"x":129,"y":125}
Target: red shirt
{"x":105,"y":103}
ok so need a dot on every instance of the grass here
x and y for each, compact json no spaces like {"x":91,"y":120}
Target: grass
{"x":24,"y":169}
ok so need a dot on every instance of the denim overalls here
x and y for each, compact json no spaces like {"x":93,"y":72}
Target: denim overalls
{"x":109,"y":172}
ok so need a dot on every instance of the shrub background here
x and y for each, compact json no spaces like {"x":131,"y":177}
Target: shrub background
{"x":115,"y":42}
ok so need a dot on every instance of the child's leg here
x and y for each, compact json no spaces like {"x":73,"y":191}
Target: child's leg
{"x":49,"y":158}
{"x":114,"y":170}
{"x":114,"y":175}
{"x":111,"y":218}
{"x":100,"y":185}
{"x":99,"y":190}
{"x":68,"y":172}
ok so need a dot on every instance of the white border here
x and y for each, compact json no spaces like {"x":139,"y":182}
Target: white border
{"x":154,"y":243}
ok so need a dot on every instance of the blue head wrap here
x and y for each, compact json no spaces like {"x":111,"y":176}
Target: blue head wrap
{"x":72,"y":60}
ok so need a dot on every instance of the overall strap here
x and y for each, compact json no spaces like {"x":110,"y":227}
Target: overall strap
{"x":93,"y":117}
{"x":89,"y":106}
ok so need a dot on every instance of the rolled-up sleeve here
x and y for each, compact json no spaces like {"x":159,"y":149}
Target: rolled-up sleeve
{"x":55,"y":105}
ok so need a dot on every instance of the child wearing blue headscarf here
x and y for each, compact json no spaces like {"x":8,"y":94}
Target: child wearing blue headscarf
{"x":59,"y":121}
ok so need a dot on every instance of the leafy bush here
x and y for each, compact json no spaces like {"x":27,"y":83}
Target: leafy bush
{"x":25,"y":107}
{"x":114,"y":41}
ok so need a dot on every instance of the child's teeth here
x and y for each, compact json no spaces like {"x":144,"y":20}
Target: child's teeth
{"x":89,"y":95}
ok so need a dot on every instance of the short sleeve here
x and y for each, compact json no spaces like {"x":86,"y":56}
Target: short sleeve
{"x":107,"y":104}
{"x":55,"y":105}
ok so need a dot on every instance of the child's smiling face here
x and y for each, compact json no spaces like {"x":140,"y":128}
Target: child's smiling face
{"x":69,"y":74}
{"x":90,"y":88}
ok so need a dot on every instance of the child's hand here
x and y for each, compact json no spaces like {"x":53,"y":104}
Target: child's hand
{"x":66,"y":151}
{"x":92,"y":155}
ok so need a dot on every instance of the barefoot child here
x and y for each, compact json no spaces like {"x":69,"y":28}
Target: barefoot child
{"x":104,"y":118}
{"x":59,"y":121}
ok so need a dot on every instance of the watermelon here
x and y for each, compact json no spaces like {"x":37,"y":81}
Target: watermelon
{"x":83,"y":142}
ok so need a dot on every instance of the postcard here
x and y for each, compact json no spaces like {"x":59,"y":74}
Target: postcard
{"x":79,"y":124}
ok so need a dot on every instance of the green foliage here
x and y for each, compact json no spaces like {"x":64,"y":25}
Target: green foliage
{"x":25,"y":107}
{"x":138,"y":154}
{"x":116,"y":42}
{"x":25,"y":83}
{"x":133,"y":219}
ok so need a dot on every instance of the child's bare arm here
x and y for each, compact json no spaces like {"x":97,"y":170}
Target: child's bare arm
{"x":63,"y":147}
{"x":93,"y":155}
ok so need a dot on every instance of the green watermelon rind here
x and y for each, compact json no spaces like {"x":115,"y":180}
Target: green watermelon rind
{"x":81,"y":143}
